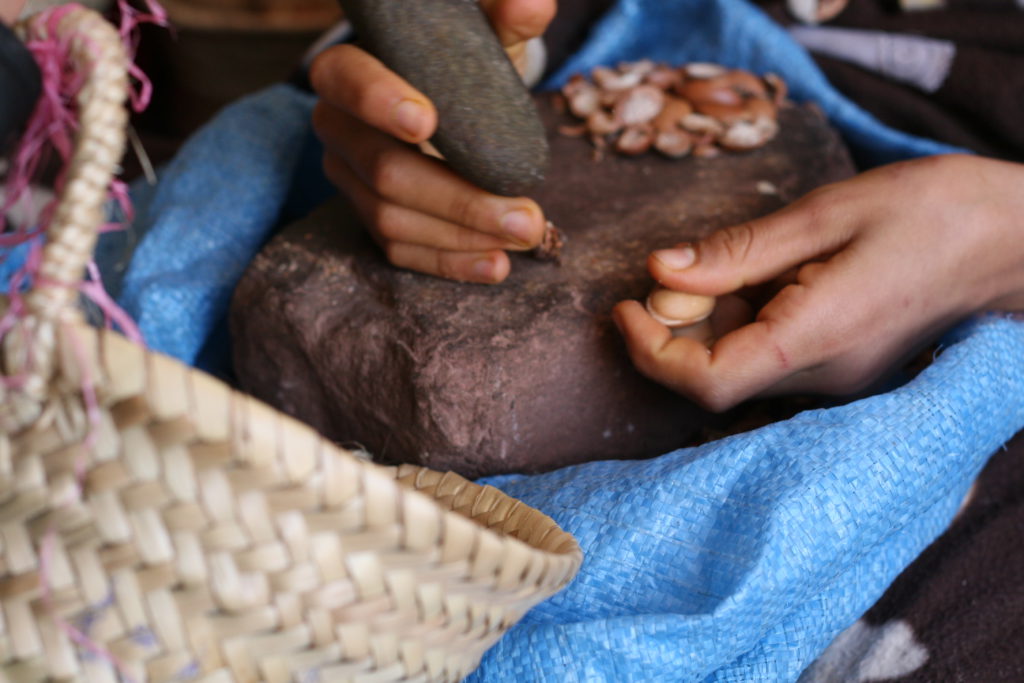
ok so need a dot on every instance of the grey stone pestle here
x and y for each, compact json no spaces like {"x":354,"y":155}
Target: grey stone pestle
{"x":488,"y":129}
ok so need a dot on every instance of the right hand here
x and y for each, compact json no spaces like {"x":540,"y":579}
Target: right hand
{"x":833,"y":291}
{"x":424,"y":216}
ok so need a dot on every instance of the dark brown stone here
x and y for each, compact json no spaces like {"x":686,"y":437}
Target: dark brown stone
{"x":525,"y":376}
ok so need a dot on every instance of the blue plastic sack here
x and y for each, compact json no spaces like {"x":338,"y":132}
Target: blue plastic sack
{"x":739,"y":560}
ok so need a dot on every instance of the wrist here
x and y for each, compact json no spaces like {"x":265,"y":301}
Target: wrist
{"x":985,"y":196}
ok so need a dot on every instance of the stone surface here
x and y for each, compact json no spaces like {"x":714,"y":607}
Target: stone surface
{"x":525,"y":376}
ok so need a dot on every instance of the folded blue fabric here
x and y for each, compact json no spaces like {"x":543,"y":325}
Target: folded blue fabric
{"x":739,"y":560}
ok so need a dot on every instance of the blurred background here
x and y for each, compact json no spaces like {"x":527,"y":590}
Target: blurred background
{"x":216,"y":52}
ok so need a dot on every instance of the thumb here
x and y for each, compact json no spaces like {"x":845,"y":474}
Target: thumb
{"x":754,"y":252}
{"x":517,"y":21}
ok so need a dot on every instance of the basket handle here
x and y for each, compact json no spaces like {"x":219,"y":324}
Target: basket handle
{"x":96,"y":51}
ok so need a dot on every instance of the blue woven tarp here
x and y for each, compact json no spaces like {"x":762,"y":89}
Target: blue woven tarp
{"x":738,"y":560}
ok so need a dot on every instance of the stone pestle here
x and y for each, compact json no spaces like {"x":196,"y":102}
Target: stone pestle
{"x":488,"y":127}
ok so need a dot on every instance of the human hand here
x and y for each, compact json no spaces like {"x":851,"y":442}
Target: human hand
{"x":424,"y":216}
{"x":827,"y":294}
{"x":10,"y":10}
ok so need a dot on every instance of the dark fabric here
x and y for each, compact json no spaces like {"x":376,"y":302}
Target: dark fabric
{"x":963,"y":598}
{"x":981,"y":104}
{"x":19,"y":86}
{"x":570,"y":27}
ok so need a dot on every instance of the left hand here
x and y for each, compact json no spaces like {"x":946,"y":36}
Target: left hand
{"x":423,"y":215}
{"x":827,"y":294}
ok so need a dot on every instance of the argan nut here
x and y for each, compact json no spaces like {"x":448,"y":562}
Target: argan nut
{"x":664,"y":77}
{"x":639,"y":105}
{"x":583,"y":97}
{"x":678,"y":309}
{"x":702,"y":124}
{"x":672,"y":114}
{"x":742,"y":136}
{"x":635,"y":140}
{"x":716,"y":90}
{"x":703,"y":70}
{"x":747,"y":83}
{"x":640,"y":68}
{"x":489,"y":130}
{"x":747,"y":135}
{"x":675,"y":144}
{"x":761,"y":108}
{"x":551,"y":245}
{"x":724,"y":113}
{"x":705,"y":149}
{"x":610,"y":79}
{"x":603,"y":123}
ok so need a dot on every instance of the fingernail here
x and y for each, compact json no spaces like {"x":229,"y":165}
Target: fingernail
{"x":676,"y":259}
{"x":409,"y":115}
{"x":519,"y":225}
{"x":483,"y":269}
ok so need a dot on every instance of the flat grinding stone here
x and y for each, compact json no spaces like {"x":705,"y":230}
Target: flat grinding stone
{"x":525,"y":376}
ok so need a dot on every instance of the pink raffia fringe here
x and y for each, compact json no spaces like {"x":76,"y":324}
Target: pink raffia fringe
{"x":51,"y":130}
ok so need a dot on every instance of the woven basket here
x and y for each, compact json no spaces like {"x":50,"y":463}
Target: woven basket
{"x":187,"y":531}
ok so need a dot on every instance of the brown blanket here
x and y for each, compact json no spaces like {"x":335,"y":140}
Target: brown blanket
{"x":979,"y":106}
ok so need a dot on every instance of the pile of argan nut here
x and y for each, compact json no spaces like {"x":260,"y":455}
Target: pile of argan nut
{"x":697,"y":108}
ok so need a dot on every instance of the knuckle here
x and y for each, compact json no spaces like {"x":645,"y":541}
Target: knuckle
{"x":366,"y":96}
{"x":821,"y":204}
{"x":330,"y":167}
{"x":445,"y":267}
{"x":318,"y":70}
{"x":736,"y":243}
{"x":338,"y":172}
{"x":714,"y":396}
{"x":645,"y":361}
{"x":462,"y":209}
{"x":320,"y":119}
{"x":386,"y":221}
{"x":331,"y":72}
{"x":393,"y":252}
{"x":385,"y":174}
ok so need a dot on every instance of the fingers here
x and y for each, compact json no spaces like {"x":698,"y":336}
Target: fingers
{"x":739,"y":365}
{"x":417,"y":209}
{"x":516,"y":21}
{"x":482,"y":267}
{"x":353,"y":81}
{"x":778,"y":350}
{"x":418,"y":242}
{"x":425,"y":216}
{"x":402,"y":176}
{"x":757,"y":251}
